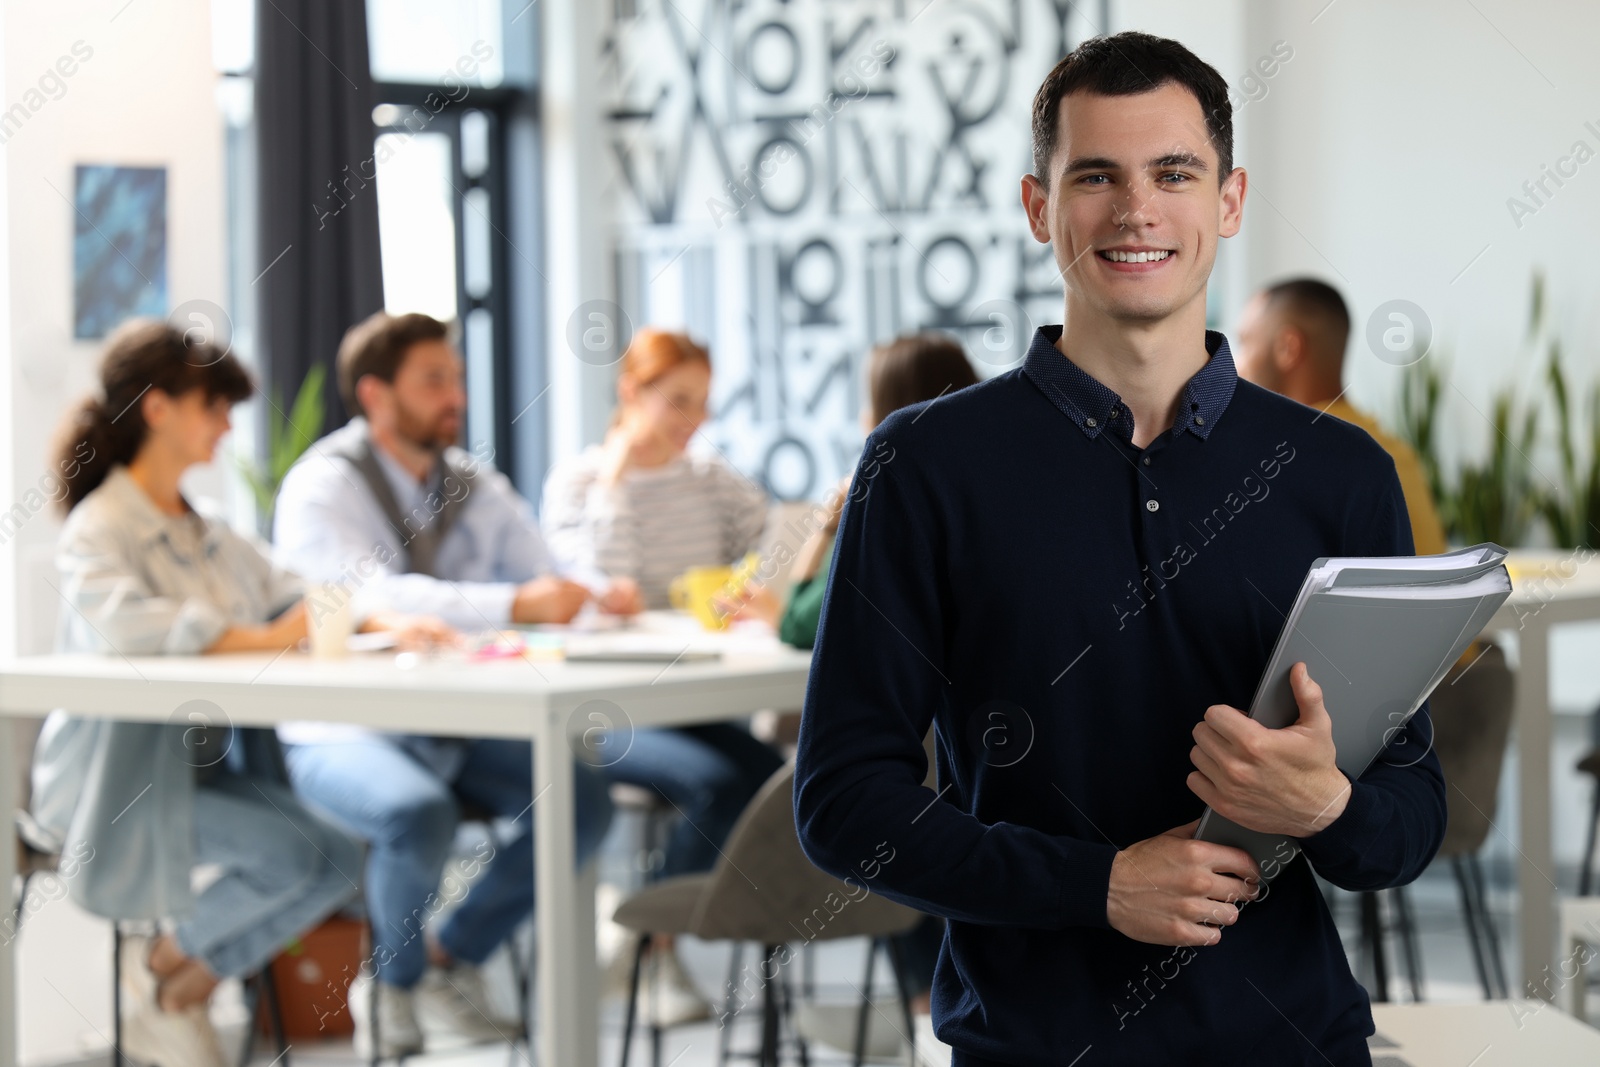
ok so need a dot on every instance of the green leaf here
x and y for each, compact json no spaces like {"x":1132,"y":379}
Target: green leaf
{"x":288,"y":438}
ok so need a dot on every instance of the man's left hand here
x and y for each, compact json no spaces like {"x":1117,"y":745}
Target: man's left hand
{"x":1273,"y":781}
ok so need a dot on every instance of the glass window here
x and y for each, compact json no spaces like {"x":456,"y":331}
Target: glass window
{"x":436,"y":42}
{"x":416,"y":223}
{"x":233,"y":35}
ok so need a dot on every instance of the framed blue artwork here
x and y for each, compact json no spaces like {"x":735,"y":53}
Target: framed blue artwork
{"x":119,"y":247}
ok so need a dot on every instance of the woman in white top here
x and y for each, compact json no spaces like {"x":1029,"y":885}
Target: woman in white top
{"x":140,"y":805}
{"x":640,"y":506}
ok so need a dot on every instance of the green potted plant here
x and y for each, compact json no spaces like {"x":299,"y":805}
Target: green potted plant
{"x":288,"y":437}
{"x":1494,"y":499}
{"x":1572,"y":509}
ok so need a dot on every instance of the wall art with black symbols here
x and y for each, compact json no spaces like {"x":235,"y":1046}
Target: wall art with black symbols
{"x":801,"y":180}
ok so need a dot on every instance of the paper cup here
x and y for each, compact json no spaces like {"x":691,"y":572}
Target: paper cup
{"x":330,"y":621}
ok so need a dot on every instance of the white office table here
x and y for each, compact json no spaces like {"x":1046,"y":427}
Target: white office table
{"x":1494,"y":1034}
{"x":1568,"y":591}
{"x":551,"y":702}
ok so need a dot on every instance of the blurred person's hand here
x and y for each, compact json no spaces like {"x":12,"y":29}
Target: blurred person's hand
{"x":622,"y":597}
{"x":627,"y":444}
{"x":290,"y":628}
{"x":754,"y":601}
{"x":548,"y":599}
{"x":413,"y":632}
{"x":286,"y":631}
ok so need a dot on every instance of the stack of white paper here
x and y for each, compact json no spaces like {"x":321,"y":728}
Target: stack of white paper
{"x":1377,"y":634}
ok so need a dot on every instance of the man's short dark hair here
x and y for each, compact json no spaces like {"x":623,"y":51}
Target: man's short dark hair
{"x":1317,"y":309}
{"x":378,"y":345}
{"x":1123,"y":65}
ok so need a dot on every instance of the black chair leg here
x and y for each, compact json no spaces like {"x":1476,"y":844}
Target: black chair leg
{"x":1372,"y":935}
{"x":1406,"y":927}
{"x":1491,"y":937}
{"x":863,"y":1018}
{"x":252,"y":1003}
{"x":521,"y":971}
{"x":769,"y":1009}
{"x":789,"y":1021}
{"x":269,"y":989}
{"x":1469,"y":911}
{"x":633,"y":997}
{"x":902,"y":981}
{"x":656,"y":1031}
{"x":377,"y":1034}
{"x":731,"y":1004}
{"x":22,"y":900}
{"x":1586,"y":871}
{"x":117,"y":1059}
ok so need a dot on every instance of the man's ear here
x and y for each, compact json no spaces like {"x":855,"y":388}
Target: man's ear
{"x":1288,"y":349}
{"x":1036,"y":202}
{"x":1234,"y":187}
{"x":369,"y":391}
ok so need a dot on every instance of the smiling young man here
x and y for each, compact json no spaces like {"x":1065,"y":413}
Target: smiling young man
{"x":1075,"y":572}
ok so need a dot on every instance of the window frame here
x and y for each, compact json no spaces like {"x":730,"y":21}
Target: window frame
{"x":500,"y":105}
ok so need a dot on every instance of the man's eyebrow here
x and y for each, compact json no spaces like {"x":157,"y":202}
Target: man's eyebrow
{"x":1180,"y":159}
{"x":1174,"y":159}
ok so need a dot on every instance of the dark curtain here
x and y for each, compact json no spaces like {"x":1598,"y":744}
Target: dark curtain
{"x":319,"y":271}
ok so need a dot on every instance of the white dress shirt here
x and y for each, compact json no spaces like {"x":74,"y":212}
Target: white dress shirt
{"x":329,"y":526}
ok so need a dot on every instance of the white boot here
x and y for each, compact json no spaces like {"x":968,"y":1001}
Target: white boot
{"x":456,"y":1000}
{"x":162,"y":1038}
{"x":398,"y":1033}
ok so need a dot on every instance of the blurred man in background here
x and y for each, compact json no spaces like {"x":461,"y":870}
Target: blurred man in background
{"x":1291,"y":339}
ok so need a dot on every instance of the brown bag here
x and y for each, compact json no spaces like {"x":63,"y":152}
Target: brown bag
{"x":313,"y":976}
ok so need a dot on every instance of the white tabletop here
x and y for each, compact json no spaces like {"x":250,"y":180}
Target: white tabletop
{"x":1551,"y":585}
{"x":446,"y":694}
{"x":1517,"y":1033}
{"x":535,"y":697}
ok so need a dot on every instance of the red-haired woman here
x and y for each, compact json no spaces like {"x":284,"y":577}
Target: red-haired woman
{"x":642,"y":506}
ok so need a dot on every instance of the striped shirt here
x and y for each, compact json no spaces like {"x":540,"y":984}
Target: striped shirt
{"x":656,"y":523}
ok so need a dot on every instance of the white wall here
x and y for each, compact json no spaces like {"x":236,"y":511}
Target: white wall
{"x":1383,"y":157}
{"x":144,"y":97}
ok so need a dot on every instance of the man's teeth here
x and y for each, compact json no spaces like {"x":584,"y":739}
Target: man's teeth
{"x":1137,"y":257}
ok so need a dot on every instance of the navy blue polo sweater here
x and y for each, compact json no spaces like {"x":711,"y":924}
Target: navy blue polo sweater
{"x":1062,"y":607}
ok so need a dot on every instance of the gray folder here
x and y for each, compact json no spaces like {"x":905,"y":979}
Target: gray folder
{"x":1377,"y":634}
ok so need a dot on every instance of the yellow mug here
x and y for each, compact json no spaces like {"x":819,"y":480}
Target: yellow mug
{"x":698,"y":589}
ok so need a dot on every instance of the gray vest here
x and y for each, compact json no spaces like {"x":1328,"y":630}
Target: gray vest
{"x":420,"y":543}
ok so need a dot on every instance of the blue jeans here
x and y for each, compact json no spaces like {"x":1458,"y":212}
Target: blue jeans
{"x":283,"y":871}
{"x":383,"y":793}
{"x":709,"y":772}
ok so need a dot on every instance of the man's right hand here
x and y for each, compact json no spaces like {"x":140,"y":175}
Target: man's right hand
{"x":548,"y":599}
{"x":1174,"y":890}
